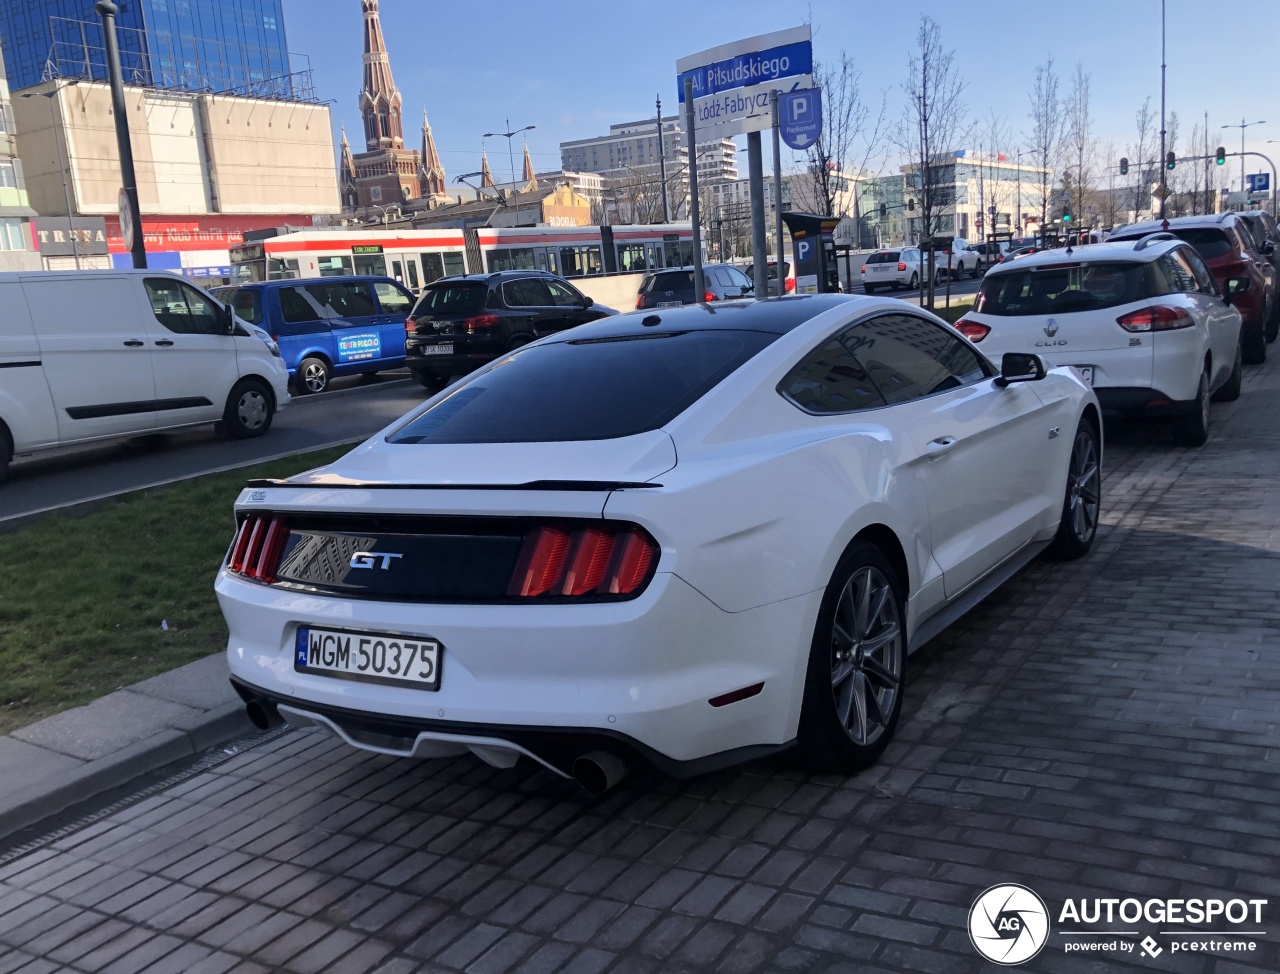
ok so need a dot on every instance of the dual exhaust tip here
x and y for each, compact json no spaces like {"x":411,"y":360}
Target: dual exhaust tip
{"x":595,"y":772}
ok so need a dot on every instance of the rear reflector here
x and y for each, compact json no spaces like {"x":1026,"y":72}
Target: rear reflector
{"x":733,"y":696}
{"x":258,"y":547}
{"x":582,"y":562}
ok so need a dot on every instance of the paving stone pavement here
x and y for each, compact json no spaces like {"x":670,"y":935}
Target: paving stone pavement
{"x":1106,"y":728}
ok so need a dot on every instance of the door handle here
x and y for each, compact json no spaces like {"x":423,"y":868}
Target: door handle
{"x":940,"y":446}
{"x":135,"y":343}
{"x":165,"y":342}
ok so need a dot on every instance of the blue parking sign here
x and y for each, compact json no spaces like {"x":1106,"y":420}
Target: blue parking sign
{"x":1259,"y":182}
{"x":800,"y":117}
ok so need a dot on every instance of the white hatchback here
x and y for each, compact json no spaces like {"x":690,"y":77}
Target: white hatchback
{"x":1142,"y":321}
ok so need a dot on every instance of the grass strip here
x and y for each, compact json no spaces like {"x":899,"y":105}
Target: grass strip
{"x":93,"y":602}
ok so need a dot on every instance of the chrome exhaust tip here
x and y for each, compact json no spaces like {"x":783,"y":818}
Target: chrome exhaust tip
{"x":598,"y":771}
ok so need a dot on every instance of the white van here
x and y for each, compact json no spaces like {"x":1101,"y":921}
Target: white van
{"x":88,"y":355}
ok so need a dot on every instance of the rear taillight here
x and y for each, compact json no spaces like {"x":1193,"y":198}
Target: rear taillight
{"x":864,"y":268}
{"x":639,"y":301}
{"x":410,"y":326}
{"x":972,"y":330}
{"x":791,"y":284}
{"x":258,"y":547}
{"x":902,"y":266}
{"x":1159,"y":318}
{"x":479,"y":323}
{"x":708,"y":296}
{"x":609,"y":559}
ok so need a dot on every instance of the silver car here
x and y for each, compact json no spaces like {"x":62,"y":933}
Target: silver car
{"x":892,"y":269}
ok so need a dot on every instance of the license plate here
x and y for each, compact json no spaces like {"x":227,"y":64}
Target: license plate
{"x":437,"y":349}
{"x":370,"y":657}
{"x":1086,"y":372}
{"x":670,"y":304}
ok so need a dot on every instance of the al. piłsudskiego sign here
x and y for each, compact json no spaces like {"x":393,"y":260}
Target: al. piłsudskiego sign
{"x":731,"y":83}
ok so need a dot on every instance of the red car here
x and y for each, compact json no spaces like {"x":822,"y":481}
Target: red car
{"x":1227,"y":247}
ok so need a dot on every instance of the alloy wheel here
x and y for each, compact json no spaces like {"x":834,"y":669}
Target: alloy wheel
{"x":314,"y":378}
{"x":866,"y":655}
{"x":252,"y":409}
{"x":1084,"y":479}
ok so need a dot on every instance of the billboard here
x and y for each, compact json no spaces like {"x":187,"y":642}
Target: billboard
{"x":731,"y":83}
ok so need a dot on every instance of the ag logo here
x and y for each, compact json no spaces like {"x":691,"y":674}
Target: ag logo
{"x":1008,"y":924}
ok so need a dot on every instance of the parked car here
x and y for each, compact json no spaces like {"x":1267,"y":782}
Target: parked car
{"x":1266,"y":235}
{"x":1143,"y":322}
{"x":596,"y":597}
{"x":1226,"y":246}
{"x":960,"y":259}
{"x":461,"y":323}
{"x":990,"y":253}
{"x":893,"y":269}
{"x":89,"y":355}
{"x":673,"y":287}
{"x":788,"y":278}
{"x":328,"y":326}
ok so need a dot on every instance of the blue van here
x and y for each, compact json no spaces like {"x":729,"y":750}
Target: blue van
{"x":327,"y":326}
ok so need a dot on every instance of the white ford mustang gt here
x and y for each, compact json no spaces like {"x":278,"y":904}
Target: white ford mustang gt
{"x":689,"y":538}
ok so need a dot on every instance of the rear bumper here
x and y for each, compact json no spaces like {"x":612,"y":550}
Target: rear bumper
{"x":446,"y":365}
{"x":1128,"y":401}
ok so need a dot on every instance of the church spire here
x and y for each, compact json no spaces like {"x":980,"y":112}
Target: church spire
{"x":432,"y":168}
{"x":530,"y":180}
{"x":380,"y":100}
{"x":486,"y":177}
{"x":347,"y":173}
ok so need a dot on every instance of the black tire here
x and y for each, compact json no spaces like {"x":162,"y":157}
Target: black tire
{"x":1273,"y":324}
{"x":1083,"y":498}
{"x":846,"y":682}
{"x":1192,"y":429}
{"x":869,"y":289}
{"x":915,"y":281}
{"x":6,"y":454}
{"x":313,"y":376}
{"x":429,"y":380}
{"x":249,"y":411}
{"x":1254,"y":345}
{"x":1229,"y":391}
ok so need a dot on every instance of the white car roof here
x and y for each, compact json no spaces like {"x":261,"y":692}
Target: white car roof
{"x":1088,"y":254}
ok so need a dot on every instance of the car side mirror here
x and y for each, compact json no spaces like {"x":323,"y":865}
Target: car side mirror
{"x":1268,"y":248}
{"x":1235,"y":285}
{"x":1020,"y":367}
{"x":587,"y":301}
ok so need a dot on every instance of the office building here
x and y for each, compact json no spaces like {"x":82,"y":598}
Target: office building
{"x":17,"y":244}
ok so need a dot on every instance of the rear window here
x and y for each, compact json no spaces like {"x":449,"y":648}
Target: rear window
{"x":1062,"y":290}
{"x":885,"y":257}
{"x":670,"y":281}
{"x":1210,"y":243}
{"x":443,"y":299}
{"x":594,"y":389}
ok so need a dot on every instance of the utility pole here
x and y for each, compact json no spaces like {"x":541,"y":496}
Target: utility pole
{"x":662,"y":166}
{"x":755,"y":185}
{"x":1206,"y":162}
{"x":777,"y":188}
{"x":137,"y":246}
{"x":1164,"y":166}
{"x":699,"y":282}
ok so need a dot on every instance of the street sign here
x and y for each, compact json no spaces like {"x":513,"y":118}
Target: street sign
{"x":731,"y":83}
{"x":801,"y":121}
{"x":126,"y":220}
{"x":991,"y":210}
{"x":1259,"y":182}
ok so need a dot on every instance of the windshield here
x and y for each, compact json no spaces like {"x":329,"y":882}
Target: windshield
{"x":452,"y":298}
{"x":1062,"y":289}
{"x":590,"y":389}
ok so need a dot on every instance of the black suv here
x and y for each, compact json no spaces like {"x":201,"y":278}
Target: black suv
{"x":673,"y":287}
{"x":462,"y":323}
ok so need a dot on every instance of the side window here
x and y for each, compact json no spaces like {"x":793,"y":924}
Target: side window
{"x":909,"y":358}
{"x":393,"y":300}
{"x":526,"y":292}
{"x":248,"y":306}
{"x":563,"y":295}
{"x":1178,"y":271}
{"x":205,"y":317}
{"x":830,"y":380}
{"x":297,"y":305}
{"x":1203,"y":278}
{"x":168,"y":304}
{"x":737,"y":278}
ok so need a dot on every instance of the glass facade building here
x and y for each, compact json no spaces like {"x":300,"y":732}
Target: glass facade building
{"x":234,"y":46}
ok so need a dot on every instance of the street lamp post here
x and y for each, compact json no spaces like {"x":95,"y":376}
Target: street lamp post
{"x":107,"y":11}
{"x":509,"y":135}
{"x":1242,"y":126}
{"x":62,"y":167}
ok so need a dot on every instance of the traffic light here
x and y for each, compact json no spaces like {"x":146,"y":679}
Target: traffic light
{"x":1066,"y":214}
{"x":1222,"y":156}
{"x":884,"y":210}
{"x":1170,"y":160}
{"x":1124,"y":166}
{"x":911,"y":204}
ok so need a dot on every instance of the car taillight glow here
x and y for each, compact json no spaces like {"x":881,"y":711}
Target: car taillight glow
{"x":582,"y":562}
{"x":790,"y":285}
{"x":864,"y":268}
{"x":258,"y":547}
{"x":1159,"y":318}
{"x":479,"y":323}
{"x":972,"y":330}
{"x":902,"y":265}
{"x":639,"y":301}
{"x":410,"y":326}
{"x":708,"y":296}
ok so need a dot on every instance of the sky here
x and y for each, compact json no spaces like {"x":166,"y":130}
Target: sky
{"x":572,"y":68}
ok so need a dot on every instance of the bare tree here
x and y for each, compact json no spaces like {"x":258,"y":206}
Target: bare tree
{"x":995,"y":189}
{"x":931,"y":126}
{"x":1141,"y":166}
{"x":1080,"y":137}
{"x":1109,"y":208}
{"x":1047,"y":128}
